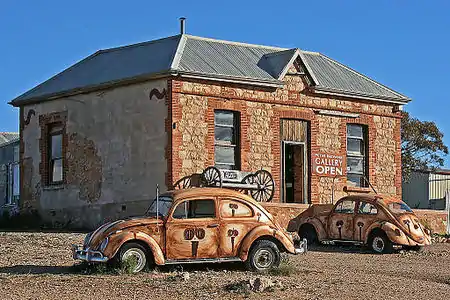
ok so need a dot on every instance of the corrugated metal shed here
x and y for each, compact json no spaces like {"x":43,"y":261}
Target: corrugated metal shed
{"x":190,"y":55}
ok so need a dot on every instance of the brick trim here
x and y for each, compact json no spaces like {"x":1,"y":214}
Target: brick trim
{"x":45,"y":121}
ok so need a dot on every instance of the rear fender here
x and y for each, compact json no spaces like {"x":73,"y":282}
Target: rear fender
{"x":265,"y":230}
{"x":318,"y":226}
{"x":117,"y":240}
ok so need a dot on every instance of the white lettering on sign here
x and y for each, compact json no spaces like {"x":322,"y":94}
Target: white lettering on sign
{"x":328,"y":164}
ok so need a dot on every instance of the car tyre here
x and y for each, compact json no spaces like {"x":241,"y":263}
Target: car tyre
{"x":380,"y":243}
{"x":309,"y":233}
{"x":133,"y":250}
{"x":263,"y":256}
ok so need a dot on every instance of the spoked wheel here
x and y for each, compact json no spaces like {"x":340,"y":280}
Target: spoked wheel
{"x":211,"y":177}
{"x":249,"y":179}
{"x":183,"y":183}
{"x":266,"y":186}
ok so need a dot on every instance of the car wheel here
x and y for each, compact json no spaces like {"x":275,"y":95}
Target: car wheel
{"x":380,"y":243}
{"x":134,"y":251}
{"x":309,"y":233}
{"x":263,"y":256}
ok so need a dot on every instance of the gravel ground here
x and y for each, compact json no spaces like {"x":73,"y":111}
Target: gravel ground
{"x":39,"y":266}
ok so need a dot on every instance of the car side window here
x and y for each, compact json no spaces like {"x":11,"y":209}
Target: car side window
{"x":345,"y":207}
{"x":235,"y":209}
{"x":195,"y":209}
{"x":366,"y":208}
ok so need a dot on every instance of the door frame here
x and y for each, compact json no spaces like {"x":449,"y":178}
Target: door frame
{"x":305,"y":170}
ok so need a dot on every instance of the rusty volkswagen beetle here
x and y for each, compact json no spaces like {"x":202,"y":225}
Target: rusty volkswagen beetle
{"x":381,"y":223}
{"x":193,"y":226}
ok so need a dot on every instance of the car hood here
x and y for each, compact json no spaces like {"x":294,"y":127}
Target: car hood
{"x":97,"y":236}
{"x":410,"y":224}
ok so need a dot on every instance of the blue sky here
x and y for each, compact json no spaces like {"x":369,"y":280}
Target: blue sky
{"x":402,"y":44}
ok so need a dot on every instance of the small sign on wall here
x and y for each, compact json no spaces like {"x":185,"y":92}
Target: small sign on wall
{"x":329,"y":165}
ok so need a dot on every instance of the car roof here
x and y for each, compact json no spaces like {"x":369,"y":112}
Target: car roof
{"x":210,"y":191}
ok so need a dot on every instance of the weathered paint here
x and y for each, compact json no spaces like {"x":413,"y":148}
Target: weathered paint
{"x":229,"y":234}
{"x":401,"y":229}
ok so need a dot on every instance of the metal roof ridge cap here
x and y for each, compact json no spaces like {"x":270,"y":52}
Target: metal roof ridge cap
{"x":178,"y":53}
{"x":364,"y":76}
{"x":309,"y":69}
{"x":291,"y":61}
{"x":234,"y":43}
{"x":138,"y":44}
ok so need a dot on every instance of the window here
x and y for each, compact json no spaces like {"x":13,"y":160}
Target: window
{"x":357,"y":147}
{"x":226,"y":139}
{"x":399,"y":208}
{"x":55,"y":154}
{"x":367,"y":209}
{"x":235,"y":209}
{"x":345,"y":207}
{"x":194,"y":209}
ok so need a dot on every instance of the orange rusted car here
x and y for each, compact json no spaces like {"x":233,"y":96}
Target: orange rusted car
{"x":193,"y":226}
{"x":381,"y":223}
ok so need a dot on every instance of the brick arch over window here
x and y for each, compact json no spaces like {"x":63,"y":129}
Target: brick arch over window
{"x":46,"y":122}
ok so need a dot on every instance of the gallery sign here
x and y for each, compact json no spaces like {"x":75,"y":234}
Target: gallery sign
{"x":330,"y":165}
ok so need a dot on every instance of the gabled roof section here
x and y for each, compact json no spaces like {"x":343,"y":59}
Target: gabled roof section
{"x":110,"y":66}
{"x":333,"y":76}
{"x":199,"y":57}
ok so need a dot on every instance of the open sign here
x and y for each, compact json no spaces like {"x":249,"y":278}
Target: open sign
{"x":330,"y":165}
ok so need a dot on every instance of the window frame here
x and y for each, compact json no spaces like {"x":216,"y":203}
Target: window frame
{"x":184,"y":201}
{"x":55,"y":129}
{"x":235,"y":138}
{"x":364,"y":156}
{"x":366,"y":214}
{"x":346,"y":213}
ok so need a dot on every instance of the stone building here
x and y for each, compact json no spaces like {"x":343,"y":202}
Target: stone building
{"x":99,"y":136}
{"x":9,"y":172}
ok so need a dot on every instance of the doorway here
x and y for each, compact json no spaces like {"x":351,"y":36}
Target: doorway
{"x":295,"y":181}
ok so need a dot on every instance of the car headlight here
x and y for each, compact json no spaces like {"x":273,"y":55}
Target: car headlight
{"x":103,"y":244}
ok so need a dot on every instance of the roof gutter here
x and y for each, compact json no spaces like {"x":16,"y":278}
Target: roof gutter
{"x":232,"y":79}
{"x":141,"y":78}
{"x":325,"y":91}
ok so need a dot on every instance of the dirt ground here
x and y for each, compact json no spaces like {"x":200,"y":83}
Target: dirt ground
{"x":39,"y":266}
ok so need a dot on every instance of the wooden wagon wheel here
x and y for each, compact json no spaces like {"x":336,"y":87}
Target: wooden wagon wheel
{"x":183,"y":183}
{"x":249,"y":179}
{"x":211,"y":177}
{"x":266,"y":186}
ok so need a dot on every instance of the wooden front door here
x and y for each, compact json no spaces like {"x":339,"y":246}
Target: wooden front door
{"x":192,"y":230}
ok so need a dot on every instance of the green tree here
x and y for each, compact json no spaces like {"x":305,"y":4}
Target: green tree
{"x":422,"y":145}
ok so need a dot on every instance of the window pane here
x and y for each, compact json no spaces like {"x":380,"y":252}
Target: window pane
{"x":357,"y":180}
{"x":56,"y":142}
{"x":355,"y":146}
{"x":345,"y":207}
{"x":195,"y":209}
{"x":224,"y":134}
{"x":224,"y":155}
{"x":355,"y":165}
{"x":16,"y":153}
{"x":16,"y":178}
{"x":355,"y":130}
{"x":57,"y":170}
{"x":224,"y":117}
{"x":367,"y":209}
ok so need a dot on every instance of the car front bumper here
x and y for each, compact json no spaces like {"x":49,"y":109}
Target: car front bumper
{"x":301,"y":246}
{"x":78,"y":252}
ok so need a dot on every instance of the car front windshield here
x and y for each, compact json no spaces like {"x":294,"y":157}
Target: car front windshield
{"x":160,"y":207}
{"x":399,"y":208}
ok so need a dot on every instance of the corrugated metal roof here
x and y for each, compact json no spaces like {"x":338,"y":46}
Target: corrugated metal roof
{"x":111,"y":65}
{"x":8,"y":137}
{"x":336,"y":76}
{"x":191,"y":55}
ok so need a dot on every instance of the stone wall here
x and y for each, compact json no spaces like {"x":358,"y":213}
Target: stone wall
{"x":114,"y":154}
{"x":261,"y":110}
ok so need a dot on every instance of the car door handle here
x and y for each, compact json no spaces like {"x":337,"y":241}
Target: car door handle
{"x":213,"y":225}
